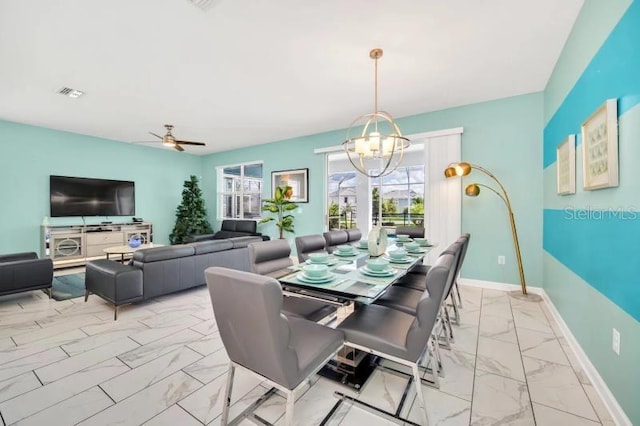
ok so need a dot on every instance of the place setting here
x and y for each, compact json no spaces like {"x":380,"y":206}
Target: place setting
{"x":414,"y":248}
{"x":315,"y":273}
{"x":321,"y":258}
{"x":363,"y":245}
{"x":377,"y":268}
{"x":398,"y":256}
{"x":346,"y":251}
{"x":423,"y":242}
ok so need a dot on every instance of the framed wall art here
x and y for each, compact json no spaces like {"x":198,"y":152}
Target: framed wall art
{"x":566,"y":166}
{"x":297,"y":179}
{"x":600,"y":147}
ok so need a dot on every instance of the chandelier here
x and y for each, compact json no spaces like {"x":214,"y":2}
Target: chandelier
{"x":379,"y":148}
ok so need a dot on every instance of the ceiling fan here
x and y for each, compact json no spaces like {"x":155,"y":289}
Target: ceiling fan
{"x":169,"y":140}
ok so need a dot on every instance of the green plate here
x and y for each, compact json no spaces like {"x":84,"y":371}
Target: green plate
{"x":369,"y":272}
{"x":308,"y":280}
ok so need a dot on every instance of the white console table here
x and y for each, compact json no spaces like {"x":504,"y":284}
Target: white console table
{"x":75,"y":245}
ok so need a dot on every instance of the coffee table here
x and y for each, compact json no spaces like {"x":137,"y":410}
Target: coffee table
{"x":124,"y":250}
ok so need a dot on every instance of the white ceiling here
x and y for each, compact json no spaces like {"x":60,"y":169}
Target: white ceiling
{"x":245,"y":72}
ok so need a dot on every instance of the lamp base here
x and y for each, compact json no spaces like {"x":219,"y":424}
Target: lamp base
{"x":517,"y":294}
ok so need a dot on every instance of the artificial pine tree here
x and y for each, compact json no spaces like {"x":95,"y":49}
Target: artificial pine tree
{"x":191,"y":216}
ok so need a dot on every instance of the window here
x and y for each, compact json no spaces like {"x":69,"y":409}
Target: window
{"x":402,"y":197}
{"x":240,"y":191}
{"x":342,"y":200}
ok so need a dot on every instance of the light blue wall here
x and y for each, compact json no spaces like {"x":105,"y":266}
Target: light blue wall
{"x":28,"y":155}
{"x":591,"y":239}
{"x":503,"y":136}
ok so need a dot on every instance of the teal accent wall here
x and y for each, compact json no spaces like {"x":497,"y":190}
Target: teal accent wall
{"x":503,"y":135}
{"x":591,"y":238}
{"x":30,"y":154}
{"x":597,"y":18}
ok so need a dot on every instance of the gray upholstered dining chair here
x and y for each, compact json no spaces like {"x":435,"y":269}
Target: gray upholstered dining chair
{"x":421,"y":270}
{"x":284,"y":351}
{"x":309,"y":244}
{"x":399,"y":336}
{"x":353,"y":235}
{"x":411,"y":231}
{"x":406,"y":295}
{"x":267,"y":257}
{"x":335,"y":238}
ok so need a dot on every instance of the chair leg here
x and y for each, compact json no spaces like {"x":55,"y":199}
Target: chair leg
{"x":454,"y":304}
{"x":115,"y":313}
{"x":49,"y":292}
{"x":288,"y":419}
{"x":438,"y":358}
{"x":419,"y":395}
{"x":458,"y":293}
{"x":86,"y":295}
{"x":447,"y":318}
{"x":441,"y":328}
{"x":227,"y":396}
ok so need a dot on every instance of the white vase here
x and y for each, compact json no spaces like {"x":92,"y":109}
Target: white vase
{"x":377,"y":241}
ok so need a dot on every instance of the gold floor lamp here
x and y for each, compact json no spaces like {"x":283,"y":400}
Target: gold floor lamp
{"x":473,"y":190}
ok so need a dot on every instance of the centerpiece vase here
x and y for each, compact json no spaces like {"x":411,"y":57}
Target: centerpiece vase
{"x":377,"y":241}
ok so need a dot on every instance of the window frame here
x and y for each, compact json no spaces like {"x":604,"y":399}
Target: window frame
{"x":241,"y":193}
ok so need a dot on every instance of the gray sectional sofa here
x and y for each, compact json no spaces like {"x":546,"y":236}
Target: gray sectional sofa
{"x":25,"y":272}
{"x":158,"y":271}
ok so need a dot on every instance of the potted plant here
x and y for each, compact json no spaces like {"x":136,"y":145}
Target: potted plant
{"x":280,"y":205}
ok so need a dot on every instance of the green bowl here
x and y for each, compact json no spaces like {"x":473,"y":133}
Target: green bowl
{"x":315,"y":270}
{"x":377,"y":265}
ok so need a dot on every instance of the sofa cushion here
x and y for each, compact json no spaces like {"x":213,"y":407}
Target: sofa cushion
{"x":156,"y":254}
{"x":248,"y":226}
{"x":212,"y":246}
{"x":18,"y":256}
{"x":194,"y":238}
{"x":228,"y":225}
{"x":223,"y":235}
{"x":242,"y":242}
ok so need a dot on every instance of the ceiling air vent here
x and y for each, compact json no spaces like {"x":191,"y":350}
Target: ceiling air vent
{"x":72,"y":93}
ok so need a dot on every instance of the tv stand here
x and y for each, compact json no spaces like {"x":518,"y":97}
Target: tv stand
{"x":75,"y":245}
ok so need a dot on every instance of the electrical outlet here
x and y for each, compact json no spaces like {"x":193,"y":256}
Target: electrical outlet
{"x":501,"y":260}
{"x":616,"y":342}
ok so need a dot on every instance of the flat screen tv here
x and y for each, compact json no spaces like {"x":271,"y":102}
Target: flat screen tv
{"x":74,"y":196}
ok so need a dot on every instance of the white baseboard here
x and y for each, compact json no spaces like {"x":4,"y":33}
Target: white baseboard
{"x":494,"y":285}
{"x":615,"y":410}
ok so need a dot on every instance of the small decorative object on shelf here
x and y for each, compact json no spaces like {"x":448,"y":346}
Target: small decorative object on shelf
{"x":377,"y":241}
{"x":135,"y":241}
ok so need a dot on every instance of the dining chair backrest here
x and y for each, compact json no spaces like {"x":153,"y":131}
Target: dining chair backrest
{"x":464,"y":239}
{"x":411,"y":231}
{"x":257,"y":338}
{"x":429,"y":305}
{"x":335,"y":238}
{"x":353,"y":235}
{"x":309,"y":244}
{"x":269,"y":256}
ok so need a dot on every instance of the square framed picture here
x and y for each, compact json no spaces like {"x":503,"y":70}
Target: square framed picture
{"x":566,"y":166}
{"x":600,"y":147}
{"x":297,"y":179}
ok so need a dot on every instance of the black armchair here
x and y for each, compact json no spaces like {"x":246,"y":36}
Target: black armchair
{"x":25,"y":272}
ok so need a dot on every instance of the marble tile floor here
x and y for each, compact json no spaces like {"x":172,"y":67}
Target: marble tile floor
{"x":163,"y":363}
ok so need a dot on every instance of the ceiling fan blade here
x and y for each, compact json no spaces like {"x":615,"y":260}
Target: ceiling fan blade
{"x":178,"y":147}
{"x":157,"y":136}
{"x":191,"y":143}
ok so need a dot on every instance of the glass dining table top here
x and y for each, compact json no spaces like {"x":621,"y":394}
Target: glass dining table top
{"x":350,"y":277}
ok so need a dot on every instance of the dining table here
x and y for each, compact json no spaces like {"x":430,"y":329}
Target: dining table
{"x":351,"y":286}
